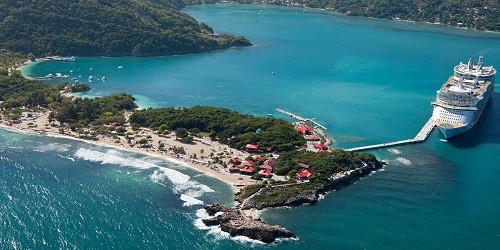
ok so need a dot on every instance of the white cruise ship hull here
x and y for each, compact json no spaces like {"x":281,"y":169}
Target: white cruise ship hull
{"x":452,"y":122}
{"x":450,"y":132}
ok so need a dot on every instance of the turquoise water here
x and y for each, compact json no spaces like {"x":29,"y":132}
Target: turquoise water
{"x":368,"y":81}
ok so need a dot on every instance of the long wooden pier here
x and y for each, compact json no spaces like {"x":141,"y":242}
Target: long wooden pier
{"x":300,"y":118}
{"x":420,"y":137}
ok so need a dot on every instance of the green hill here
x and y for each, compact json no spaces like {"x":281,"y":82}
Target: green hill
{"x":105,"y":28}
{"x":477,"y":14}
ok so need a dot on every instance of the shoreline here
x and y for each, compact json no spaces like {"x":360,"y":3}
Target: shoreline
{"x":236,"y":181}
{"x":330,"y":10}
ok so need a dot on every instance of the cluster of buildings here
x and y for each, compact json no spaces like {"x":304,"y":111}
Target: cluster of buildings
{"x":312,"y":138}
{"x":253,"y":164}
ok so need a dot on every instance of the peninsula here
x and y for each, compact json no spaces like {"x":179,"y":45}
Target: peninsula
{"x":269,"y":161}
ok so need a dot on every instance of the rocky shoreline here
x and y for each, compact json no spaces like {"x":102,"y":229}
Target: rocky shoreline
{"x":236,"y":222}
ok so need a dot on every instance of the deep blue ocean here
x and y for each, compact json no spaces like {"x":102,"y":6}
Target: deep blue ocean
{"x":368,"y":81}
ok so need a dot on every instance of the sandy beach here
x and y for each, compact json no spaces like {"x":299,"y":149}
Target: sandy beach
{"x":197,"y":155}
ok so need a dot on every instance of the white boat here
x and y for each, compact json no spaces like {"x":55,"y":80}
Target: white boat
{"x":461,"y":100}
{"x":58,"y":75}
{"x":103,"y":78}
{"x":49,"y":76}
{"x":91,"y":78}
{"x":68,"y":59}
{"x":120,"y":67}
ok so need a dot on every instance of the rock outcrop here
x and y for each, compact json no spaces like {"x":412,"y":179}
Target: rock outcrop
{"x":232,"y":221}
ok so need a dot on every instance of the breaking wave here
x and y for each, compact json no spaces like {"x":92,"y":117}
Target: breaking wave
{"x":57,"y":147}
{"x":182,"y":183}
{"x":404,"y":161}
{"x":394,"y":151}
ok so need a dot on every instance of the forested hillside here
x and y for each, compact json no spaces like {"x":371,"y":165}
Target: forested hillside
{"x":105,"y":28}
{"x":478,"y":14}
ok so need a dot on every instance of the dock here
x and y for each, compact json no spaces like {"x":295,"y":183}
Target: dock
{"x":420,"y":137}
{"x":300,"y":118}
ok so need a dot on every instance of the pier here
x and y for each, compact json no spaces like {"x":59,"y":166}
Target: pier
{"x":420,"y":137}
{"x":300,"y":118}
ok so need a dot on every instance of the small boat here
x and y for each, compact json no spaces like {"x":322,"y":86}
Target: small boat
{"x":71,"y":71}
{"x":58,"y":75}
{"x":103,"y":78}
{"x":120,"y":67}
{"x":68,"y":59}
{"x":91,"y":78}
{"x":74,"y":79}
{"x":91,"y":69}
{"x":49,"y":76}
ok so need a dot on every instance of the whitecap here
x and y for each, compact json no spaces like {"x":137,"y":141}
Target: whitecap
{"x":181,"y":182}
{"x":57,"y":147}
{"x":190,"y":201}
{"x":112,"y":157}
{"x":404,"y":161}
{"x":394,"y":151}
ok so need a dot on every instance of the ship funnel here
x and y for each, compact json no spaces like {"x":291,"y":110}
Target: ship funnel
{"x":470,"y":64}
{"x":480,"y":63}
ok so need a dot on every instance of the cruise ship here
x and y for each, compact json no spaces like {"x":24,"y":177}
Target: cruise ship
{"x":461,"y":100}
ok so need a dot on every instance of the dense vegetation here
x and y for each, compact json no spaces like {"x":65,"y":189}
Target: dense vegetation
{"x":229,"y":127}
{"x":97,"y":111}
{"x":9,"y":59}
{"x":17,"y":91}
{"x":322,"y":165}
{"x":478,"y":14}
{"x":105,"y":28}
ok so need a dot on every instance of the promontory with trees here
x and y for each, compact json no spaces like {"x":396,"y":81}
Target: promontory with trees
{"x":106,"y":28}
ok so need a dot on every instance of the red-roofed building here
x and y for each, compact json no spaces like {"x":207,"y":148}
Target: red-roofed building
{"x":304,"y":129}
{"x":257,"y":157}
{"x":247,"y":170}
{"x":252,"y":147}
{"x":236,"y":160}
{"x":304,"y":174}
{"x":265,"y":172}
{"x":311,"y":138}
{"x":233,"y":168}
{"x":303,"y":165}
{"x":247,"y":163}
{"x":265,"y":166}
{"x":320,"y":146}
